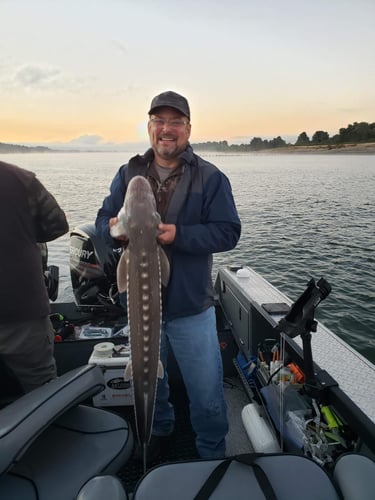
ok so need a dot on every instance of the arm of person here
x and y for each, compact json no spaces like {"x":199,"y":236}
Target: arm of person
{"x":49,"y":218}
{"x":219,"y":228}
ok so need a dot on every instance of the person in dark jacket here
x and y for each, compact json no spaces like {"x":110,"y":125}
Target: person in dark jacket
{"x":29,"y":215}
{"x":199,"y":218}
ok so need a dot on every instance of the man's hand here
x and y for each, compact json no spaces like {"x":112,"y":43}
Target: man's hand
{"x":112,"y":222}
{"x":167,"y":233}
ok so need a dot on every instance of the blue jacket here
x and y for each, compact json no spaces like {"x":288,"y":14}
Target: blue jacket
{"x":206,"y":219}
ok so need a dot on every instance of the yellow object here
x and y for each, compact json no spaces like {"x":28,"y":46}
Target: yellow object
{"x":330,"y":418}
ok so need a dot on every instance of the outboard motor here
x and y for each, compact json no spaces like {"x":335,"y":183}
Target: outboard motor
{"x":50,"y":273}
{"x":93,"y":271}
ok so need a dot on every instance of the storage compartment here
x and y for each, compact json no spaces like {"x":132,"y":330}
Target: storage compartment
{"x":239,"y":317}
{"x":251,"y":323}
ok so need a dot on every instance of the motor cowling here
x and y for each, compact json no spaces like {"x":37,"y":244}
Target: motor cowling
{"x":93,"y":270}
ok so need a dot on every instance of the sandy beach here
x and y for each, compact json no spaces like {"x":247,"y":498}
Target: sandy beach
{"x":363,"y":148}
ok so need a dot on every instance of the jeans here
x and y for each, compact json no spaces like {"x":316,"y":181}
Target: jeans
{"x":195,"y":345}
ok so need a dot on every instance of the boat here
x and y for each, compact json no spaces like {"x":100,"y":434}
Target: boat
{"x":300,"y":400}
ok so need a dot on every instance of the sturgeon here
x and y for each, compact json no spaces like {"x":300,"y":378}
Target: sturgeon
{"x":142,"y":269}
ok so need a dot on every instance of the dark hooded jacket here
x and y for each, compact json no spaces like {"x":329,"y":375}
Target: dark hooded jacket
{"x":206,"y":219}
{"x":29,"y":215}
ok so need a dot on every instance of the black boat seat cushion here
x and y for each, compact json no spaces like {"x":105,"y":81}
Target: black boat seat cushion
{"x":290,"y":477}
{"x":50,"y":446}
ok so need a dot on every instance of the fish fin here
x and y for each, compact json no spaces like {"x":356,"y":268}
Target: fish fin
{"x":122,"y":273}
{"x":128,"y":372}
{"x":164,"y":266}
{"x":160,"y":370}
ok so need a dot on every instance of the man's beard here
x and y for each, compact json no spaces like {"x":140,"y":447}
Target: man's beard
{"x":170,"y":154}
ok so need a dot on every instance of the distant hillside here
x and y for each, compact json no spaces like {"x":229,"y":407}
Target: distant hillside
{"x":16,"y":148}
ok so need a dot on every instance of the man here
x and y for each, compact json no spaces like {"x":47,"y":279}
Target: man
{"x":29,"y":215}
{"x":199,"y":218}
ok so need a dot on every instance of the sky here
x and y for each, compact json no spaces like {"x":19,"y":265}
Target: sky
{"x":83,"y":72}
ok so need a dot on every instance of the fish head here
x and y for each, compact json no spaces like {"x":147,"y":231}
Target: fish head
{"x":139,"y":210}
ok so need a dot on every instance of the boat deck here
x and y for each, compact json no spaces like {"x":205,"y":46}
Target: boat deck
{"x":354,"y":373}
{"x":181,"y":446}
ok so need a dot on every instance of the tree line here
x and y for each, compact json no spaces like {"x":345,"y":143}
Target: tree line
{"x":16,"y":148}
{"x":353,"y":134}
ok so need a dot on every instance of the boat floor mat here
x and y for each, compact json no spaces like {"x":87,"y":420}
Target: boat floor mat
{"x":180,"y":447}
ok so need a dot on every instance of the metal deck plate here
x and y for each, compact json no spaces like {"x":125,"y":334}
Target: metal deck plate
{"x":354,"y":373}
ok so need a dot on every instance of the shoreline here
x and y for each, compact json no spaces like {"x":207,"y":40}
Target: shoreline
{"x":364,"y":148}
{"x":367,"y":148}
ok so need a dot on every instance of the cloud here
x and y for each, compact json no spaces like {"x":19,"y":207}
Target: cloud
{"x":39,"y":77}
{"x":121,"y":47}
{"x":36,"y":76}
{"x":87,"y":140}
{"x":92,"y":142}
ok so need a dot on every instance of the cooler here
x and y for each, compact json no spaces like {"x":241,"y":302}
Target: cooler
{"x":117,"y":392}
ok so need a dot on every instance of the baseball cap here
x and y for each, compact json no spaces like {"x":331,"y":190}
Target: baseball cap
{"x":172,"y":100}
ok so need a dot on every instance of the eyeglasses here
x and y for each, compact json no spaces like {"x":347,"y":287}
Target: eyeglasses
{"x":173,"y":123}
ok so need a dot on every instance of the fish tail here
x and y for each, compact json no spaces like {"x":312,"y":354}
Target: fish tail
{"x":144,"y":457}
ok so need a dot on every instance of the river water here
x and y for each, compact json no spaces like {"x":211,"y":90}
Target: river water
{"x":303,"y":216}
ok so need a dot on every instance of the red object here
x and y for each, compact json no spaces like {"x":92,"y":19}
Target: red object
{"x":300,"y":376}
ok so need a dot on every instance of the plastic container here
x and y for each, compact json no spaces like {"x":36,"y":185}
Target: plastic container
{"x":258,"y":430}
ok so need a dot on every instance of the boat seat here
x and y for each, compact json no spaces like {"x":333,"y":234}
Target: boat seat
{"x":51,"y":444}
{"x":246,"y":477}
{"x":354,"y":474}
{"x":102,"y":487}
